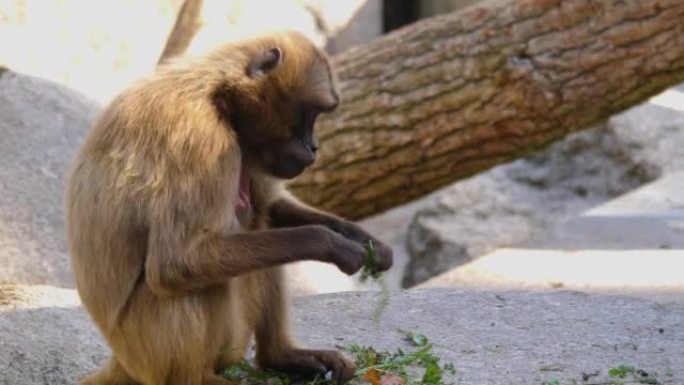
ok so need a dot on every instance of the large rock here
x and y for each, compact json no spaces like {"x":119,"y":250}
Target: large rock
{"x":518,"y":201}
{"x":494,"y":338}
{"x":42,"y":124}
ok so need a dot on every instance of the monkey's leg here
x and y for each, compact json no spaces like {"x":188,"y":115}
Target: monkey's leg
{"x":237,"y":326}
{"x":275,"y":347}
{"x":171,"y":341}
{"x":111,"y":374}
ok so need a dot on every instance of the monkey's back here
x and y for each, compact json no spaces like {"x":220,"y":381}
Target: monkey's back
{"x":139,"y":160}
{"x":107,"y":239}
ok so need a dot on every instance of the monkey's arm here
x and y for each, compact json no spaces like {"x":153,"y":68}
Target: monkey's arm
{"x":176,"y":263}
{"x":288,"y":213}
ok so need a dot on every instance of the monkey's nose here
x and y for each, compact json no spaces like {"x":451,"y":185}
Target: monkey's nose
{"x":314,"y":146}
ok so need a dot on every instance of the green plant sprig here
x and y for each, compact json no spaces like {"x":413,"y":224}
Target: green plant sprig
{"x":419,"y":367}
{"x":369,"y":263}
{"x":369,"y":271}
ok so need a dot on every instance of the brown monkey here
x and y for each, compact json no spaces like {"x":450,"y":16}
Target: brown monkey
{"x":178,"y":226}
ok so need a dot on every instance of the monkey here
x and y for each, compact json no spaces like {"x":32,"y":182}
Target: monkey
{"x":179,"y":223}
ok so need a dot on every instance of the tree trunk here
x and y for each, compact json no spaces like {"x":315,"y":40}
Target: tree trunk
{"x":451,"y":96}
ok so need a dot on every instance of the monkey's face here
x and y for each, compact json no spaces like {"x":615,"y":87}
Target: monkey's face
{"x":286,"y":157}
{"x":275,"y":112}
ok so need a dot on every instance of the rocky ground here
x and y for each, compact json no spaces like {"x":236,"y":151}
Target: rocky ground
{"x":491,"y":337}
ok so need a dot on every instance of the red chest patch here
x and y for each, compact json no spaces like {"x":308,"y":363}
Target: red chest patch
{"x":244,"y":197}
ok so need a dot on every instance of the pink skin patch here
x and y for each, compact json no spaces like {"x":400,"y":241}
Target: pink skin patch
{"x":244,"y":198}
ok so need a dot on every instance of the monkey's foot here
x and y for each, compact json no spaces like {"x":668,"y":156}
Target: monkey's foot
{"x":304,"y":362}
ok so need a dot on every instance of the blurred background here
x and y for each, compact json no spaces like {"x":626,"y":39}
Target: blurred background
{"x":98,"y":47}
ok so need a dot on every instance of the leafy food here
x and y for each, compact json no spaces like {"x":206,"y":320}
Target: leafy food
{"x":369,"y":263}
{"x":418,"y":339}
{"x":369,"y":271}
{"x":620,"y":371}
{"x":420,"y":367}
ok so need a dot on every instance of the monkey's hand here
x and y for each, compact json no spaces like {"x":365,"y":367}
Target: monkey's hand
{"x":286,"y":213}
{"x":355,"y":233}
{"x":309,"y":363}
{"x":346,"y":254}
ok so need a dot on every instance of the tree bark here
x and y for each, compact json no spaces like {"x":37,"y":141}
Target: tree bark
{"x":451,"y":96}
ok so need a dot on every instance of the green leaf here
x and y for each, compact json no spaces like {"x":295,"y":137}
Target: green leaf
{"x":396,"y":366}
{"x":620,"y":371}
{"x":433,"y":374}
{"x":450,"y":368}
{"x":233,"y":372}
{"x":418,"y":339}
{"x":369,"y":263}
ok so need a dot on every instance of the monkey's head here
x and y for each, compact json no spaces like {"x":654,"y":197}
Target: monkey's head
{"x":285,"y":83}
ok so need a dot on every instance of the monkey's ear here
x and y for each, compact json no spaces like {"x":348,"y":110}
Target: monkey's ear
{"x":265,"y":62}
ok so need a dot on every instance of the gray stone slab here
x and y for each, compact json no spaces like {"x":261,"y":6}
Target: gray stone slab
{"x":651,"y":274}
{"x":650,"y":217}
{"x":493,"y":338}
{"x":661,"y":197}
{"x":665,"y":231}
{"x":41,"y":125}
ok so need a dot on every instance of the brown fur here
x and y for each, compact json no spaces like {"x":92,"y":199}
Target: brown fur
{"x":175,"y":281}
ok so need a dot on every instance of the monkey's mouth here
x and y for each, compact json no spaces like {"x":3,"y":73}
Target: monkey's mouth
{"x":244,"y":197}
{"x":288,"y":170}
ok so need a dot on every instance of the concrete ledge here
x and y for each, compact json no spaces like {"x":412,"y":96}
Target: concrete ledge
{"x":493,"y":338}
{"x":652,"y":274}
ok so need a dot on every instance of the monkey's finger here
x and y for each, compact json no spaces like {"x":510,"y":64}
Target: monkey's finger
{"x":342,"y":369}
{"x":301,"y":363}
{"x":350,"y":259}
{"x":337,"y":366}
{"x":308,"y":364}
{"x":385,"y":259}
{"x":344,"y":372}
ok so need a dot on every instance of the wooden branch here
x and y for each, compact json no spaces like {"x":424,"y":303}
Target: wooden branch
{"x":454,"y":95}
{"x":450,"y":96}
{"x":188,"y":22}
